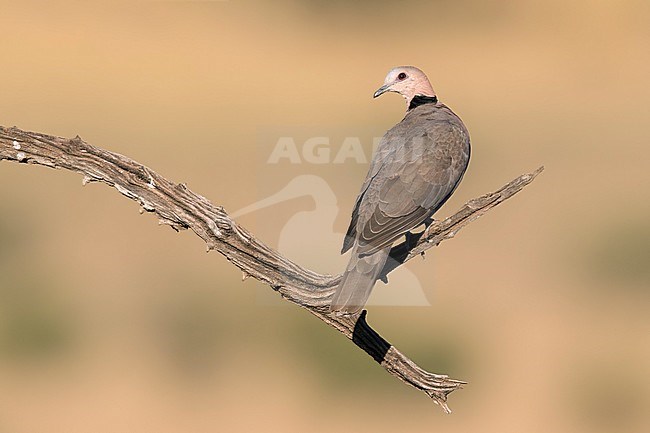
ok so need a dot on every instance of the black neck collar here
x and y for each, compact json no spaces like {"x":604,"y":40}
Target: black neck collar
{"x":421,"y":100}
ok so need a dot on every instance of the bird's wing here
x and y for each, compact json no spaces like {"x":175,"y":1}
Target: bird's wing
{"x":382,"y":155}
{"x":410,"y":186}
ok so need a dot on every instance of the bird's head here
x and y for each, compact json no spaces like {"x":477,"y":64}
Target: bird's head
{"x":408,"y":81}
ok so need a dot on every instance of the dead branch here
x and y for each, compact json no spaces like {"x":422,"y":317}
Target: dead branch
{"x":181,"y":208}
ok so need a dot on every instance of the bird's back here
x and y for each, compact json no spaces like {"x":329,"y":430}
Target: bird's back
{"x":417,"y":166}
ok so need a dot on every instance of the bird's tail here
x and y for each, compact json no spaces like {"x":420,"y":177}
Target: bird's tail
{"x":358,"y":280}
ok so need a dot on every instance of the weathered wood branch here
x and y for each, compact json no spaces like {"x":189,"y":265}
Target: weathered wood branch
{"x":181,"y":208}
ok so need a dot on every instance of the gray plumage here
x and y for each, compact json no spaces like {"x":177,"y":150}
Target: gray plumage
{"x":417,"y":166}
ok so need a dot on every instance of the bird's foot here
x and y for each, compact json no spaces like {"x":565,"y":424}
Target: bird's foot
{"x":411,"y":239}
{"x":428,"y":222}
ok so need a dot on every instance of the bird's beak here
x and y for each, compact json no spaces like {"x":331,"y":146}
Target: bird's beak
{"x":382,"y":89}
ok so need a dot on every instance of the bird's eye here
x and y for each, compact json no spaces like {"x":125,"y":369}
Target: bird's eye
{"x":401,"y":76}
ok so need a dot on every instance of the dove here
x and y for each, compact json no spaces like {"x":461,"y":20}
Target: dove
{"x":417,"y":166}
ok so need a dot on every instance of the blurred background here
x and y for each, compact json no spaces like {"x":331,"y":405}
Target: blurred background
{"x":110,"y":323}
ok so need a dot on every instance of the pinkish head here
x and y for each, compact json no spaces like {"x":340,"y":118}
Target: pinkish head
{"x":408,"y":81}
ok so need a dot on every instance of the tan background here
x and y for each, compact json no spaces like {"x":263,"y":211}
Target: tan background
{"x":109,"y":323}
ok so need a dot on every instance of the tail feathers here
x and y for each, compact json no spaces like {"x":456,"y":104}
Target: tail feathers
{"x":358,"y":280}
